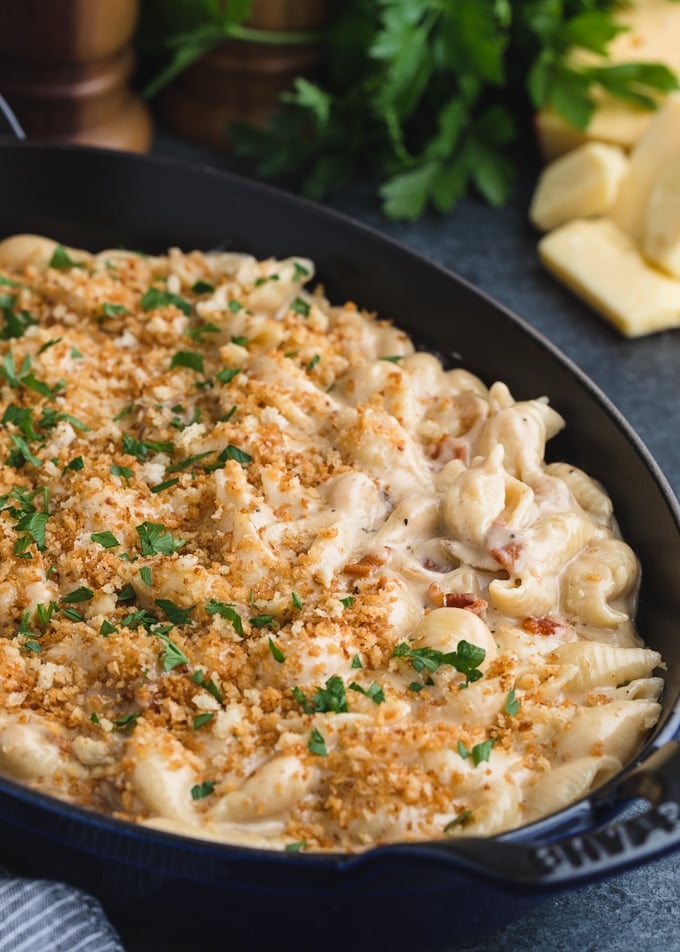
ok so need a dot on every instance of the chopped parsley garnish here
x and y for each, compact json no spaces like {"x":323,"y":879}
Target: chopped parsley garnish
{"x":178,"y":616}
{"x":374,"y":692}
{"x":330,"y":698}
{"x":263,"y":621}
{"x":21,"y":453}
{"x":200,"y":720}
{"x":233,"y":452}
{"x":240,"y":340}
{"x":228,"y":374}
{"x":62,"y":260}
{"x":200,"y":790}
{"x":106,"y":539}
{"x":19,"y":505}
{"x":72,"y":614}
{"x":50,"y":343}
{"x":316,"y":743}
{"x":188,"y":461}
{"x":154,"y":298}
{"x":277,"y":654}
{"x":511,"y":705}
{"x":75,"y":354}
{"x":107,"y":629}
{"x":75,"y":465}
{"x":198,"y":677}
{"x":140,"y":449}
{"x":393,"y":359}
{"x":81,"y":594}
{"x":94,"y":717}
{"x":128,"y":721}
{"x":300,"y":306}
{"x":114,"y":310}
{"x":15,"y":324}
{"x":296,"y":600}
{"x":22,"y":418}
{"x":459,"y":820}
{"x":235,"y":306}
{"x":123,"y":471}
{"x":197,"y":333}
{"x":157,"y":540}
{"x":313,"y":362}
{"x":127,"y":593}
{"x":202,"y":287}
{"x":168,"y":484}
{"x":356,"y":662}
{"x":224,"y":610}
{"x":296,"y":847}
{"x":172,"y":655}
{"x":462,"y":750}
{"x":466,"y":659}
{"x":347,"y":601}
{"x":145,"y":575}
{"x":126,"y":411}
{"x":31,"y":645}
{"x":299,"y":271}
{"x":481,"y":752}
{"x":188,"y":358}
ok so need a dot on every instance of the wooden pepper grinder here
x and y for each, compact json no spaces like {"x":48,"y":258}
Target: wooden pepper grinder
{"x":242,"y":81}
{"x":65,"y":67}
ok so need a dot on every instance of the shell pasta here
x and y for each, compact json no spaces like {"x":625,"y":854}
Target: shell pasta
{"x":270,"y":576}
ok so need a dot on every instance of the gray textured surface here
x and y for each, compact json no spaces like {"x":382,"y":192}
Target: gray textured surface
{"x":638,"y":911}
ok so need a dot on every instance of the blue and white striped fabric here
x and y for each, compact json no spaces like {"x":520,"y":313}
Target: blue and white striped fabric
{"x":42,"y":916}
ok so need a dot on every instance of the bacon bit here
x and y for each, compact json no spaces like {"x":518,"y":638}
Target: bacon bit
{"x":541,"y":626}
{"x":367,"y":564}
{"x":468,"y":600}
{"x":508,"y":554}
{"x":433,"y":566}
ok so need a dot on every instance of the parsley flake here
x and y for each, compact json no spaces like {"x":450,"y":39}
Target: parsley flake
{"x":201,"y":790}
{"x":224,"y":610}
{"x":200,"y":720}
{"x":157,"y":540}
{"x":155,"y":298}
{"x":316,"y":743}
{"x":188,"y":358}
{"x":277,"y":654}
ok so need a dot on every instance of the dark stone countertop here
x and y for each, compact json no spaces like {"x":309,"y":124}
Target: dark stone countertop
{"x":495,"y":249}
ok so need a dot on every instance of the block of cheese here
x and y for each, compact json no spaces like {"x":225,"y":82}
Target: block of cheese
{"x":658,"y":146}
{"x":661,"y":233}
{"x":583,"y":183}
{"x":603,"y":265}
{"x":653,"y":36}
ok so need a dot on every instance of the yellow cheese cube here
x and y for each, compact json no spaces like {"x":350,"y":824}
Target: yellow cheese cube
{"x":654,"y":29}
{"x":658,"y":146}
{"x":603,"y":266}
{"x":661,"y":236}
{"x":580,"y":184}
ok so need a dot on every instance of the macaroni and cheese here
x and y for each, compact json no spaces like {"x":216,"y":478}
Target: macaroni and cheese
{"x":271,"y":576}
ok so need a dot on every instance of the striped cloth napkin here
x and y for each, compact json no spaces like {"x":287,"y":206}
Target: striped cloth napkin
{"x":42,"y":916}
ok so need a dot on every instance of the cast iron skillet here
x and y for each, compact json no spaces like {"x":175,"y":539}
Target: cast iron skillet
{"x":411,"y":896}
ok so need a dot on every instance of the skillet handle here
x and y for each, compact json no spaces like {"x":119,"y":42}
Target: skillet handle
{"x":605,"y":850}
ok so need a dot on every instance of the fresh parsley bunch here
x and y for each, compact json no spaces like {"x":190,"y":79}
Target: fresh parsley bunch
{"x":426,"y":96}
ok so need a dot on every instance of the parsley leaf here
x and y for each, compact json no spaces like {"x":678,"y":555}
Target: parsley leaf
{"x":157,"y":540}
{"x":466,"y":659}
{"x":317,"y":744}
{"x":276,"y":652}
{"x":178,"y":616}
{"x":155,"y":298}
{"x":201,"y":790}
{"x":224,"y":610}
{"x":62,"y":260}
{"x":188,"y":358}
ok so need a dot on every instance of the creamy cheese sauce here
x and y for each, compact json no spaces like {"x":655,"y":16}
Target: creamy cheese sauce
{"x":271,"y":576}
